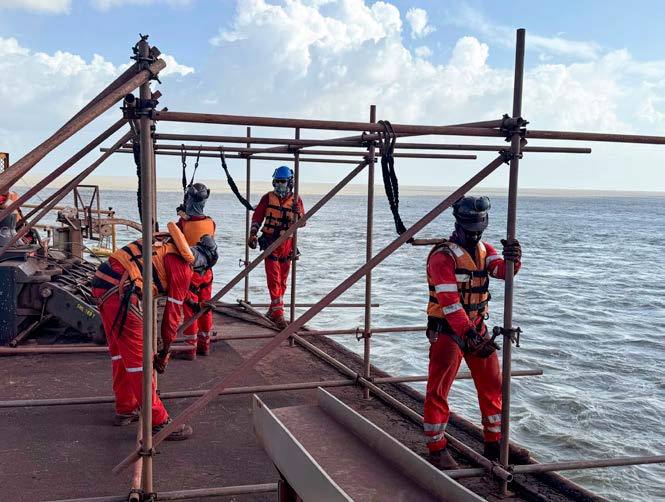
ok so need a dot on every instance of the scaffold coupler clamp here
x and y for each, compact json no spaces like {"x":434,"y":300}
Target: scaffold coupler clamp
{"x":513,"y":334}
{"x":242,"y":263}
{"x":513,"y":125}
{"x":135,"y":494}
{"x":360,"y":334}
{"x":144,"y":62}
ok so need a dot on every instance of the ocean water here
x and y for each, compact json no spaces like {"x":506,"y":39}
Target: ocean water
{"x":588,"y":299}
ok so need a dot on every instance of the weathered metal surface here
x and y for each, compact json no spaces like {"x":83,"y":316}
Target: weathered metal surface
{"x":296,"y":464}
{"x":407,"y":462}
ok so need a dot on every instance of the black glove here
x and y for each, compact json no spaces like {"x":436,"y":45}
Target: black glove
{"x":512,"y":251}
{"x":479,"y":345}
{"x":194,"y":306}
{"x":161,"y":360}
{"x":253,"y":241}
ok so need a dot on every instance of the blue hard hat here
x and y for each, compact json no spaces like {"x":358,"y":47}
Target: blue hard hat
{"x":282,"y":173}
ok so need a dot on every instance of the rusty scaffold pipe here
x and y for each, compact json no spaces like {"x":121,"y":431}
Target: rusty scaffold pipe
{"x":246,"y":366}
{"x":81,"y":119}
{"x":255,"y":389}
{"x":248,"y":217}
{"x":263,"y":157}
{"x":515,"y":145}
{"x":367,"y":330}
{"x":302,"y":143}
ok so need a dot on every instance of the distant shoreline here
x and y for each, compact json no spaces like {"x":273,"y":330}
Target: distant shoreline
{"x":128,"y":183}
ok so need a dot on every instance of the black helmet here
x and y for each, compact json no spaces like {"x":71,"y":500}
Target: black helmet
{"x":198,"y":192}
{"x":471,"y":213}
{"x":207,"y":248}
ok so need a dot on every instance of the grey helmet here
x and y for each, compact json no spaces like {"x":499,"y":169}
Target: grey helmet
{"x":471,"y":213}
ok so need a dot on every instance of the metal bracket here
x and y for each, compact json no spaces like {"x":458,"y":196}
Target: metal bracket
{"x":144,"y":62}
{"x":149,"y":453}
{"x":360,"y":334}
{"x":507,"y":156}
{"x":512,"y":333}
{"x":513,"y":125}
{"x":241,"y":263}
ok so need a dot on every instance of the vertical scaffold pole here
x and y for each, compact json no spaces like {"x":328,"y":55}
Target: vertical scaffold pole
{"x":247,"y":215}
{"x":294,"y":252}
{"x":147,"y":183}
{"x":515,"y":145}
{"x":367,"y":332}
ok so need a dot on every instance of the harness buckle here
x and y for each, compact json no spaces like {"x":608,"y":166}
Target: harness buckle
{"x":512,"y":333}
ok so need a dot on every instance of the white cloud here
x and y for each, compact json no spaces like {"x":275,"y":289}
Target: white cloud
{"x":111,"y":4}
{"x":472,"y":19}
{"x":417,"y":18}
{"x":41,"y":6}
{"x":423,"y":52}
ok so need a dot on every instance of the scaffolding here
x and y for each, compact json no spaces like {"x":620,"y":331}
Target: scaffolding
{"x":142,"y":116}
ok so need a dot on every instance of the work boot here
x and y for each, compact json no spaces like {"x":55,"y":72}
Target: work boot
{"x":515,"y":456}
{"x":187,"y":355}
{"x":442,"y":460}
{"x":122,"y":419}
{"x":280,"y":322}
{"x":180,"y":434}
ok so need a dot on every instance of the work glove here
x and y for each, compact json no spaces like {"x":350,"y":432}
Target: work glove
{"x":512,"y":251}
{"x":479,"y":345}
{"x":160,"y":360}
{"x":253,"y":241}
{"x":297,"y":209}
{"x":193,"y":305}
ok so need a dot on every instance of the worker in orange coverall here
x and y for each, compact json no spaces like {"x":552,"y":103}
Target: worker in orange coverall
{"x":117,"y":287}
{"x":279,"y":210}
{"x":458,"y":272}
{"x":194,"y":224}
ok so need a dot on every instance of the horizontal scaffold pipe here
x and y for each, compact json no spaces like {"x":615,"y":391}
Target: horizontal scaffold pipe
{"x":263,"y":157}
{"x":9,"y":177}
{"x":570,"y":465}
{"x":192,"y":150}
{"x":63,"y":349}
{"x":334,"y":125}
{"x":183,"y":394}
{"x":324,"y":332}
{"x":593,"y":136}
{"x":302,"y":143}
{"x":197,"y":493}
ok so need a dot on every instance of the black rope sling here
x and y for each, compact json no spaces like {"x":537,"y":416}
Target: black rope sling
{"x":387,"y":147}
{"x":232,"y":183}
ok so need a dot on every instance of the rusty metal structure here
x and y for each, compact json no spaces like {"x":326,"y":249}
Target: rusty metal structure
{"x":141,"y":116}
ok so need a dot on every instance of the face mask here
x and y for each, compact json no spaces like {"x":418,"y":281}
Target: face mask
{"x":281,"y":188}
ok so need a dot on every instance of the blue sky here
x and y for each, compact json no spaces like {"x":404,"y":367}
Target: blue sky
{"x":592,"y":66}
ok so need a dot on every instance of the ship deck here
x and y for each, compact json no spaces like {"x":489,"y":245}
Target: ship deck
{"x":68,"y":451}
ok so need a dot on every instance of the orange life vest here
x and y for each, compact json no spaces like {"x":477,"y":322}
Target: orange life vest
{"x":195,"y":229}
{"x":131,"y":258}
{"x":279,"y":216}
{"x":472,"y":280}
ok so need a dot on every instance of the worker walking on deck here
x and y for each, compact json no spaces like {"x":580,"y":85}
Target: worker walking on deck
{"x":194,"y":224}
{"x":458,"y":272}
{"x":279,"y":210}
{"x":117,"y":287}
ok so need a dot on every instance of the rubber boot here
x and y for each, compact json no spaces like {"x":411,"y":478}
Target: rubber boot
{"x":280,"y":321}
{"x":180,"y":434}
{"x":442,"y":460}
{"x":515,"y":456}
